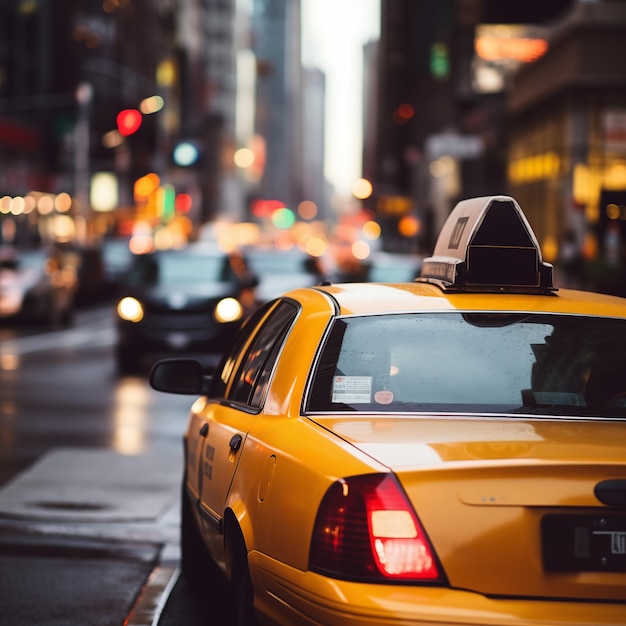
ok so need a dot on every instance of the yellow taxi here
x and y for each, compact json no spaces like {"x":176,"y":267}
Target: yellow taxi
{"x":450,"y":451}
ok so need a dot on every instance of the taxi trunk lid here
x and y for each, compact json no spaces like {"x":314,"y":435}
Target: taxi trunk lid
{"x":512,"y":506}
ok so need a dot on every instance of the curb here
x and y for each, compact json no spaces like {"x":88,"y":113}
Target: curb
{"x":153,"y":596}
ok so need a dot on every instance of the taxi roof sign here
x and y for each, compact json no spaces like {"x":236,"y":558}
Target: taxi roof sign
{"x":487,"y":244}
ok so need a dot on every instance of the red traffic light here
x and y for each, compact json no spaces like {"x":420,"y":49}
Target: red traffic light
{"x":183,"y":203}
{"x":128,"y":121}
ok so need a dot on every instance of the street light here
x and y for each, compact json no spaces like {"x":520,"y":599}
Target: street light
{"x":84,"y":95}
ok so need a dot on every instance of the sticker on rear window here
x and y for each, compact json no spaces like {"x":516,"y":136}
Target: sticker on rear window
{"x":383,"y":396}
{"x":348,"y":389}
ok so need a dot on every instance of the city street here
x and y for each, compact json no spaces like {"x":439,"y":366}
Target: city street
{"x":90,"y":470}
{"x":386,"y":241}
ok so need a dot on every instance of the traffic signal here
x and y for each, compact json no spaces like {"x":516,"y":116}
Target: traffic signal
{"x":183,"y":203}
{"x":128,"y":121}
{"x":166,"y":202}
{"x":439,"y":61}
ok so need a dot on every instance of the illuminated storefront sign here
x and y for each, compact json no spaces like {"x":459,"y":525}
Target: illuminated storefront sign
{"x":502,"y":48}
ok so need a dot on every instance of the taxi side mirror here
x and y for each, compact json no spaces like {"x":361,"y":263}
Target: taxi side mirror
{"x":182,"y":376}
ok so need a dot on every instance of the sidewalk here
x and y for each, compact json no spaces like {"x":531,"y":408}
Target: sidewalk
{"x":94,"y":485}
{"x":93,"y":493}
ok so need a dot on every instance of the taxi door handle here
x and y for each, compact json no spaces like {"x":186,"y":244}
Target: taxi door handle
{"x":204,"y":430}
{"x":235,"y":442}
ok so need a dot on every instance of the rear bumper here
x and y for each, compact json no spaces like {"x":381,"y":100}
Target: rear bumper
{"x":146,"y":339}
{"x":289,"y":596}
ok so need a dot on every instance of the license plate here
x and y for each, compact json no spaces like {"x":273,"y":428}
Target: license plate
{"x":177,"y":340}
{"x":584,"y":543}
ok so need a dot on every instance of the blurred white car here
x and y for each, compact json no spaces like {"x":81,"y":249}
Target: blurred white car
{"x":36,"y":286}
{"x":281,"y":270}
{"x":389,"y":267}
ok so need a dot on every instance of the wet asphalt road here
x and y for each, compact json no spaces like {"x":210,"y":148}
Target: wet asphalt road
{"x":54,"y":581}
{"x":89,"y":479}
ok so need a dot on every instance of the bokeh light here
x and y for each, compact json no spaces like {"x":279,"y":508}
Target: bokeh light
{"x":166,"y":73}
{"x":151,"y":105}
{"x":128,"y":121}
{"x":63,"y":202}
{"x":186,"y":153}
{"x":371,"y":230}
{"x":63,"y":228}
{"x":307,"y":210}
{"x":613,"y":212}
{"x":409,"y":226}
{"x":104,"y":192}
{"x":550,"y":249}
{"x":145,"y":185}
{"x":17,"y":205}
{"x":283,"y":218}
{"x":284,"y":239}
{"x":243,"y":158}
{"x":183,"y":203}
{"x":403,"y":113}
{"x":316,"y":246}
{"x":361,"y":250}
{"x":112,"y":139}
{"x":45,"y":205}
{"x":362,"y":189}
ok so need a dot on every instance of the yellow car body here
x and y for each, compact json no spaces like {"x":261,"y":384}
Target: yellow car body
{"x":391,"y":505}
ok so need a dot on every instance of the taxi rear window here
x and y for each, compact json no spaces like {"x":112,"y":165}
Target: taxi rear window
{"x":473,"y":362}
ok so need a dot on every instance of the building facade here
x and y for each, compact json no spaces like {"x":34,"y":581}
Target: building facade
{"x":440,"y":136}
{"x":567,"y":150}
{"x":68,"y":69}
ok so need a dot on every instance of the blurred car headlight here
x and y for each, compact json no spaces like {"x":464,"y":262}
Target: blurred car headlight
{"x":130,"y":309}
{"x":228,"y":310}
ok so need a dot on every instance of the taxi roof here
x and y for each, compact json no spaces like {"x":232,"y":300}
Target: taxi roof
{"x":377,"y":298}
{"x":486,"y":258}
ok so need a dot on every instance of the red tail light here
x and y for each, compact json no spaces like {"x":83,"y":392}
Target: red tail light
{"x":366,"y":529}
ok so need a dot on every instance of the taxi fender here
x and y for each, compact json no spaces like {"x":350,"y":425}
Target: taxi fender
{"x":237,"y":518}
{"x":235,"y":545}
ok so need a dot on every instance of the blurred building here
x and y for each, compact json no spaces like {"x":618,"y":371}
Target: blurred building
{"x":314,"y":188}
{"x":278,"y":117}
{"x":67,"y":72}
{"x":38,"y":79}
{"x":204,"y":63}
{"x":370,"y":108}
{"x":567,"y":147}
{"x":441,"y":129}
